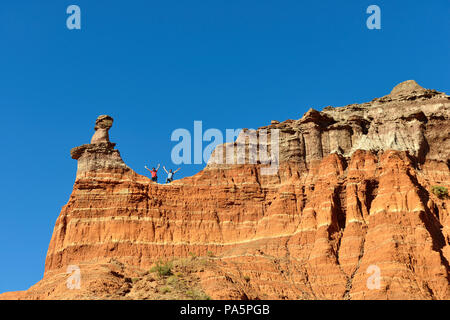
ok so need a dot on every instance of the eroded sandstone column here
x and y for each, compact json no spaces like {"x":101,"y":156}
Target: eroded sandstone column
{"x":100,"y":153}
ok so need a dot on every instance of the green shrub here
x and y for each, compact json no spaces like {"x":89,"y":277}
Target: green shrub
{"x":247,"y":278}
{"x":197,"y":294}
{"x":210,"y":254}
{"x":172,"y":280}
{"x":164,"y":290}
{"x":163,"y":269}
{"x":440,"y":192}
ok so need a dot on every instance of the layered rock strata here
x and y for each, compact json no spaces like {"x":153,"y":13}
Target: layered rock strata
{"x":349,"y":213}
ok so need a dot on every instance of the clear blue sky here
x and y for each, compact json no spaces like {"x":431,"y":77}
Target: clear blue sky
{"x":159,"y":65}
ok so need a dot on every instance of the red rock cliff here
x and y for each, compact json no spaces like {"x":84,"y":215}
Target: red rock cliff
{"x":350,"y":203}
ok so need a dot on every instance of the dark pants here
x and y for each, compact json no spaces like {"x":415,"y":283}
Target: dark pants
{"x":155,"y":179}
{"x":169,"y":180}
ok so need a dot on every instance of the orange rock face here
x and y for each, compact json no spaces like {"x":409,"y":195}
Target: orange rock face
{"x":349,"y":214}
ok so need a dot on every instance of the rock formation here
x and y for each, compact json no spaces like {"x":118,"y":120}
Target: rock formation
{"x":349,"y":213}
{"x":102,"y":126}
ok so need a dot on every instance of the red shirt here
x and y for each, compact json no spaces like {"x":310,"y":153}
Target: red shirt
{"x":154,"y":173}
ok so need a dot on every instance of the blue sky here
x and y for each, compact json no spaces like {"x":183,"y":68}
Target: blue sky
{"x":156,"y":66}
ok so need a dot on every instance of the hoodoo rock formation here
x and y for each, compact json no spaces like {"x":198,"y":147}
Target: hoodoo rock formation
{"x":350,"y":213}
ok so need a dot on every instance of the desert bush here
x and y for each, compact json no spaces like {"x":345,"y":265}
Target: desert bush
{"x":163,"y":269}
{"x":172,"y":280}
{"x":439,"y":191}
{"x":164,"y":290}
{"x":197,"y":294}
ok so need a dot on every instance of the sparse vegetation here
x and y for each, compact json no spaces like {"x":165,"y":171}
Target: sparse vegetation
{"x":163,"y":269}
{"x":439,"y":191}
{"x":197,"y":294}
{"x":172,"y":280}
{"x":191,"y":264}
{"x":247,"y":278}
{"x":177,"y":278}
{"x":165,"y":290}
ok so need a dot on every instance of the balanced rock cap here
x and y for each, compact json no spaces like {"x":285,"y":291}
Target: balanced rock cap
{"x":102,"y":125}
{"x":104,"y":122}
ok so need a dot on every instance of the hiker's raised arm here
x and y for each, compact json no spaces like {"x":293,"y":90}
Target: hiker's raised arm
{"x":165,"y":169}
{"x":157,"y":168}
{"x":177,"y":170}
{"x":147,"y":168}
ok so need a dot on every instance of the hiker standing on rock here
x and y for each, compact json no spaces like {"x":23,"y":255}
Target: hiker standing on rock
{"x":154,"y":173}
{"x":170,"y":174}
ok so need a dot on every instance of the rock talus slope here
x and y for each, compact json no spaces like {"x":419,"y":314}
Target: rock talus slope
{"x":349,"y":214}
